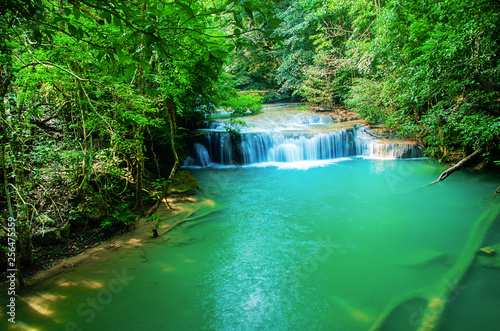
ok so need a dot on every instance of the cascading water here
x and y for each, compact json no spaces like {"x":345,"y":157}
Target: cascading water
{"x":290,"y":137}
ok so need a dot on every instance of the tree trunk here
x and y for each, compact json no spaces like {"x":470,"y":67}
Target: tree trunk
{"x":140,"y":134}
{"x":139,"y":171}
{"x":170,"y":111}
{"x":24,"y":245}
{"x":87,"y":148}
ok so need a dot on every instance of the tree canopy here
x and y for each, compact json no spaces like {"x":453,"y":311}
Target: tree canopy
{"x":95,"y":97}
{"x":429,"y":69}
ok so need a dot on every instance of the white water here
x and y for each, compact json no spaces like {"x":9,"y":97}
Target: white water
{"x":287,"y":135}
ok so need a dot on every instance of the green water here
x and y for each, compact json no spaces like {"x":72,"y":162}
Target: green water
{"x":323,"y":248}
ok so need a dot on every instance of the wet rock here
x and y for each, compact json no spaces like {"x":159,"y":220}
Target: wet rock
{"x":487,"y":251}
{"x":46,"y":237}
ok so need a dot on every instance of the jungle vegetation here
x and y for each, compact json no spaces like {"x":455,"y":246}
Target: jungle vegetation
{"x":96,"y":96}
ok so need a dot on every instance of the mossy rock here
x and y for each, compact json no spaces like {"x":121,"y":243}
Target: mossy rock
{"x":65,"y":230}
{"x":487,"y":251}
{"x":50,"y":236}
{"x":184,"y":183}
{"x":93,"y":210}
{"x":488,"y":257}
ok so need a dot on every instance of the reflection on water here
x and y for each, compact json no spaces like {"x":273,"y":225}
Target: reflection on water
{"x":325,"y":248}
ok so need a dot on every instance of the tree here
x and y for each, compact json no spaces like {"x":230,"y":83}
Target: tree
{"x":437,"y":67}
{"x":296,"y":51}
{"x":85,"y":84}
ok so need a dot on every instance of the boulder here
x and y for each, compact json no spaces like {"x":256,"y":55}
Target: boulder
{"x":49,"y":236}
{"x":93,"y":210}
{"x":184,"y":183}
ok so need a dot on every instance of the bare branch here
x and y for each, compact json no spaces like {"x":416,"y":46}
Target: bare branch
{"x":457,"y":166}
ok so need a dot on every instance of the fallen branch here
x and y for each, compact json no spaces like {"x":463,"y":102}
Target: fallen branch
{"x":497,"y":191}
{"x":457,"y":166}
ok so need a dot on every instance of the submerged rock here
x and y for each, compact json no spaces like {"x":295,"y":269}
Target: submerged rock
{"x":488,"y":258}
{"x":487,"y":251}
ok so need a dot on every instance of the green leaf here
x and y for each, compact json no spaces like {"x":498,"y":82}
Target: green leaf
{"x":100,"y":55}
{"x":275,"y":22}
{"x":141,"y":21}
{"x":107,"y":16}
{"x":186,"y":8}
{"x":249,"y":12}
{"x":76,"y":13}
{"x":121,"y":56}
{"x":145,"y":65}
{"x":129,"y":71}
{"x":117,"y":21}
{"x":73,"y":31}
{"x":237,"y":18}
{"x":80,"y":32}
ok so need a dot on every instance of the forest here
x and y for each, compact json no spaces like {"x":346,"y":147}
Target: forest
{"x":97,"y":96}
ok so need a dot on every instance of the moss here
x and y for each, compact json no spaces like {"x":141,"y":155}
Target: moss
{"x":93,"y":209}
{"x":184,"y":183}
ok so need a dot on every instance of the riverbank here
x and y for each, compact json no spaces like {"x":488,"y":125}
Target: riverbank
{"x":183,"y":207}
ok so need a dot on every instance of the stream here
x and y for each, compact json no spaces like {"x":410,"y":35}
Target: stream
{"x":305,"y":243}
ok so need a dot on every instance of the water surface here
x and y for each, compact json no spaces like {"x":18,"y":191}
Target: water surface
{"x":316,"y":246}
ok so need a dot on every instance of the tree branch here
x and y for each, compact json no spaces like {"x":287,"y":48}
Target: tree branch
{"x":89,"y":11}
{"x":457,"y":166}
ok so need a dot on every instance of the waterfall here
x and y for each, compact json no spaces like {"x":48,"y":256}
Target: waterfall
{"x":378,"y":148}
{"x":290,"y":139}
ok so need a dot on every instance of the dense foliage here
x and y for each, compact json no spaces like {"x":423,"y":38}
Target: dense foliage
{"x":429,"y":69}
{"x":95,"y":98}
